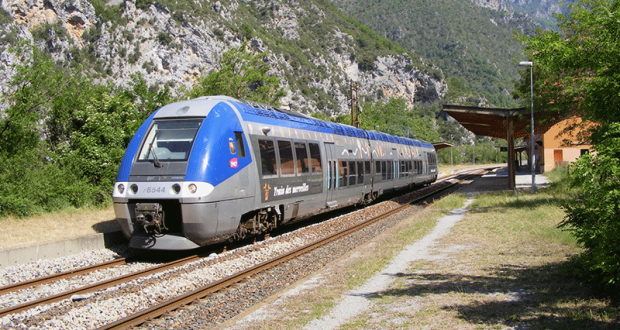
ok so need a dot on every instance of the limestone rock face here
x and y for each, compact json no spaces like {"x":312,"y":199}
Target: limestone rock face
{"x":176,"y":48}
{"x":543,"y":9}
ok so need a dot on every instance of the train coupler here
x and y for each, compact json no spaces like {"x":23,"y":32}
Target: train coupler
{"x":151,"y":217}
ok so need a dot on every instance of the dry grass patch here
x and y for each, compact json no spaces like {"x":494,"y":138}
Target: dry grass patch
{"x":506,"y":272}
{"x":55,"y":226}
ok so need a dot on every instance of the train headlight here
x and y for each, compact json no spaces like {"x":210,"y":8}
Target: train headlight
{"x":121,"y":188}
{"x":134,"y":188}
{"x":192,"y":188}
{"x":176,"y":188}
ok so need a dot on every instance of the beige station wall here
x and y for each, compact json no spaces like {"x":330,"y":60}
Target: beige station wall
{"x":562,"y":142}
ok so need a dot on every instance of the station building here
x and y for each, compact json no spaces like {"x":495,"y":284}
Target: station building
{"x":557,"y":140}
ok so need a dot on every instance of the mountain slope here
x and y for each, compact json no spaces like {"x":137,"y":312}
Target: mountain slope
{"x":474,"y":46}
{"x":541,"y":11}
{"x":314,"y":49}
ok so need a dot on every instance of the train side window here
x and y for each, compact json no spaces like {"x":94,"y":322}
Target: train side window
{"x":360,"y":172}
{"x":335,"y":175}
{"x":287,"y":165}
{"x":343,"y":173}
{"x":267,"y":158}
{"x":302,"y":158}
{"x":367,"y":166}
{"x":377,"y":170}
{"x":385,"y":170}
{"x":352,"y":173}
{"x":240,"y":144}
{"x":315,"y":158}
{"x":329,"y":178}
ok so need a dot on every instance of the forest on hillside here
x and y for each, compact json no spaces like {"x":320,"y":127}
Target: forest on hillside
{"x":475,"y":47}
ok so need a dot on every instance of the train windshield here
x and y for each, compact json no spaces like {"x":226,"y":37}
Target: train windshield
{"x":169,"y":140}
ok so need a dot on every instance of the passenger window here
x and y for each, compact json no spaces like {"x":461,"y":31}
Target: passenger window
{"x":267,"y":158}
{"x":287,"y":165}
{"x":315,"y":158}
{"x":377,"y":170}
{"x":367,"y":165}
{"x":329,"y":178}
{"x":240,"y":144}
{"x":343,"y":173}
{"x":302,"y":157}
{"x":360,"y":173}
{"x":352,"y":173}
{"x":385,"y":170}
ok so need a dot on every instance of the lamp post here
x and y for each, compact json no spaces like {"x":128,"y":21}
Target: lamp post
{"x":531,"y":65}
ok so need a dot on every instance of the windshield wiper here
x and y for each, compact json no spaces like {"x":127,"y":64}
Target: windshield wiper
{"x":156,"y":161}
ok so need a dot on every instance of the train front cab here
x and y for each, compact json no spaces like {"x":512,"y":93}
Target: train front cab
{"x":185,"y":177}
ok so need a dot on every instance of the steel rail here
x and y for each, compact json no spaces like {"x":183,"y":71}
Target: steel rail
{"x":96,"y":286}
{"x":172,"y":304}
{"x":58,"y":276}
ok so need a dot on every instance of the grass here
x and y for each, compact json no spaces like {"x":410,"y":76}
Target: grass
{"x":49,"y":227}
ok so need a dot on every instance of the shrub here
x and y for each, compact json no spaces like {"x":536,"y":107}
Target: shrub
{"x":594,"y":218}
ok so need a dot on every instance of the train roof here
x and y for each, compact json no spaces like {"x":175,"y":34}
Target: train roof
{"x":307,"y":122}
{"x":258,"y":112}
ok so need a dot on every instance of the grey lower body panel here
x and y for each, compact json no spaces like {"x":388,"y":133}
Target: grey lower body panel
{"x":123,"y":217}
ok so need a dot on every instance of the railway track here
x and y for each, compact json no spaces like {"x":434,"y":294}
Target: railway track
{"x":179,"y":301}
{"x":173,"y":304}
{"x":86,"y":289}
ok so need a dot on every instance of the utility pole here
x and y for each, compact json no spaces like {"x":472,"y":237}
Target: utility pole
{"x":354,"y":105}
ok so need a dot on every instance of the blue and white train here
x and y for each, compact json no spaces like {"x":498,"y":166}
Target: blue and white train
{"x":211,"y":169}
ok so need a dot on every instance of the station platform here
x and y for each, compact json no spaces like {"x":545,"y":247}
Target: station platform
{"x":497,"y":180}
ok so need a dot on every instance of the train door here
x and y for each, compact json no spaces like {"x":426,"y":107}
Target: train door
{"x":332,"y":174}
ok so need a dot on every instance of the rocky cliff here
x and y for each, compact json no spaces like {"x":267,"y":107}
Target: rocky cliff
{"x":174,"y":43}
{"x":540,"y":9}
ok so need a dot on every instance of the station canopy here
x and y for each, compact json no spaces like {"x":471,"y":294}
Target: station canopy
{"x":442,"y":145}
{"x":493,"y":122}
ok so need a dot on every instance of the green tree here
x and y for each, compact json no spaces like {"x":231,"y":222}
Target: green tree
{"x":393,"y":117}
{"x":579,"y":73}
{"x":243,"y":75}
{"x":62,"y":138}
{"x":19,"y":129}
{"x":578,"y":67}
